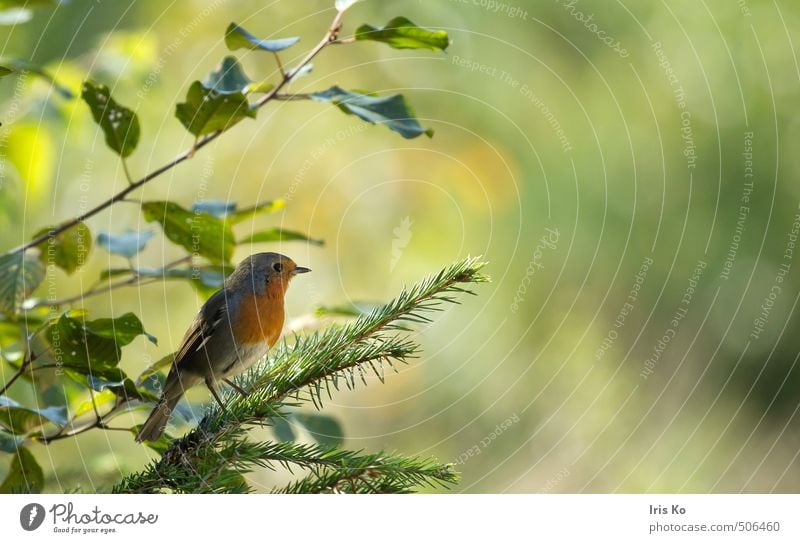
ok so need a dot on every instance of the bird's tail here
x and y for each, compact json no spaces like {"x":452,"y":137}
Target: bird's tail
{"x":153,"y":427}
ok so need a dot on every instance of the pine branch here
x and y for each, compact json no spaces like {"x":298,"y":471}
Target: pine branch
{"x":195,"y":462}
{"x":331,"y":470}
{"x":374,"y":474}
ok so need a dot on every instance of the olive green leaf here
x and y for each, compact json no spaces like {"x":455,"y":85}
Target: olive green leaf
{"x":206,"y":111}
{"x":120,"y":125}
{"x":154,"y":368}
{"x":9,"y":442}
{"x":21,"y":420}
{"x":89,"y":347}
{"x":160,"y":446}
{"x":243,"y":214}
{"x":392,"y":111}
{"x":237,"y":37}
{"x":96,"y":401}
{"x":20,"y":274}
{"x":112,"y":380}
{"x":278,"y":234}
{"x":199,"y":233}
{"x":400,"y":33}
{"x":228,"y":77}
{"x":24,"y":476}
{"x":69,"y":249}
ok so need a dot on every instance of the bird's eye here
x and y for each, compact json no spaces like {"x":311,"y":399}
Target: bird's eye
{"x":278,"y":267}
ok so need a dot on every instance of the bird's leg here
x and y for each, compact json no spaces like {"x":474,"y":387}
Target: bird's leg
{"x":237,"y":388}
{"x":212,"y":386}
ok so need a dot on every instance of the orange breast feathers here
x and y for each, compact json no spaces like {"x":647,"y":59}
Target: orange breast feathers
{"x":260,"y":318}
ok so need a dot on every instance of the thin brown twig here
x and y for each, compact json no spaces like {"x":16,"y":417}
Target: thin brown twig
{"x":61,"y":434}
{"x":13,"y":379}
{"x":291,"y":97}
{"x":27,"y":361}
{"x":135,"y":279}
{"x":280,"y":65}
{"x":98,"y":422}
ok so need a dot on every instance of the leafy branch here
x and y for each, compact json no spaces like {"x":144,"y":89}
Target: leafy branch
{"x":300,"y":372}
{"x":330,"y":36}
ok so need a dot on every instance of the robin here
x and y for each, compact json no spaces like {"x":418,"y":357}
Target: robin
{"x":233,"y":330}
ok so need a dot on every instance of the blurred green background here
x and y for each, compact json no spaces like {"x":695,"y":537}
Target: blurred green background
{"x":596,"y":153}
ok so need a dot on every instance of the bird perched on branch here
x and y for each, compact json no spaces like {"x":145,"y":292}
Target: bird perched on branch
{"x":233,"y":330}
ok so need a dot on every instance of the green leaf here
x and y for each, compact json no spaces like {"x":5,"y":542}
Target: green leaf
{"x":228,"y":78}
{"x":98,"y":400}
{"x":324,"y":430}
{"x":218,"y":208}
{"x":123,"y":329}
{"x":116,"y":272}
{"x":400,"y":33}
{"x":258,"y":209}
{"x":344,"y":5}
{"x":198,"y":233}
{"x":237,"y":37}
{"x":20,"y":66}
{"x":69,"y":249}
{"x":259,"y":87}
{"x":160,"y":446}
{"x":20,"y":274}
{"x":119,"y":124}
{"x":9,"y":442}
{"x":127,"y":244}
{"x":154,"y":368}
{"x":278,"y":234}
{"x":114,"y":381}
{"x":21,"y":420}
{"x":230,"y":211}
{"x":89,"y":347}
{"x":24,"y":476}
{"x":392,"y":111}
{"x":206,"y":111}
{"x":282,"y":429}
{"x":11,"y":334}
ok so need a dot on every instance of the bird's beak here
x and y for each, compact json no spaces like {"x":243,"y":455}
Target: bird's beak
{"x":300,"y":269}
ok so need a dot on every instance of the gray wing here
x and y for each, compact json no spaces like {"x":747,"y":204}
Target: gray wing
{"x":207,"y":321}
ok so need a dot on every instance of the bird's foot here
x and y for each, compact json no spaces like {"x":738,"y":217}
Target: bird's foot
{"x":237,"y":388}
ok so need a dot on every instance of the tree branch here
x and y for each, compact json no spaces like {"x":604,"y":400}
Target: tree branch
{"x":136,"y":279}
